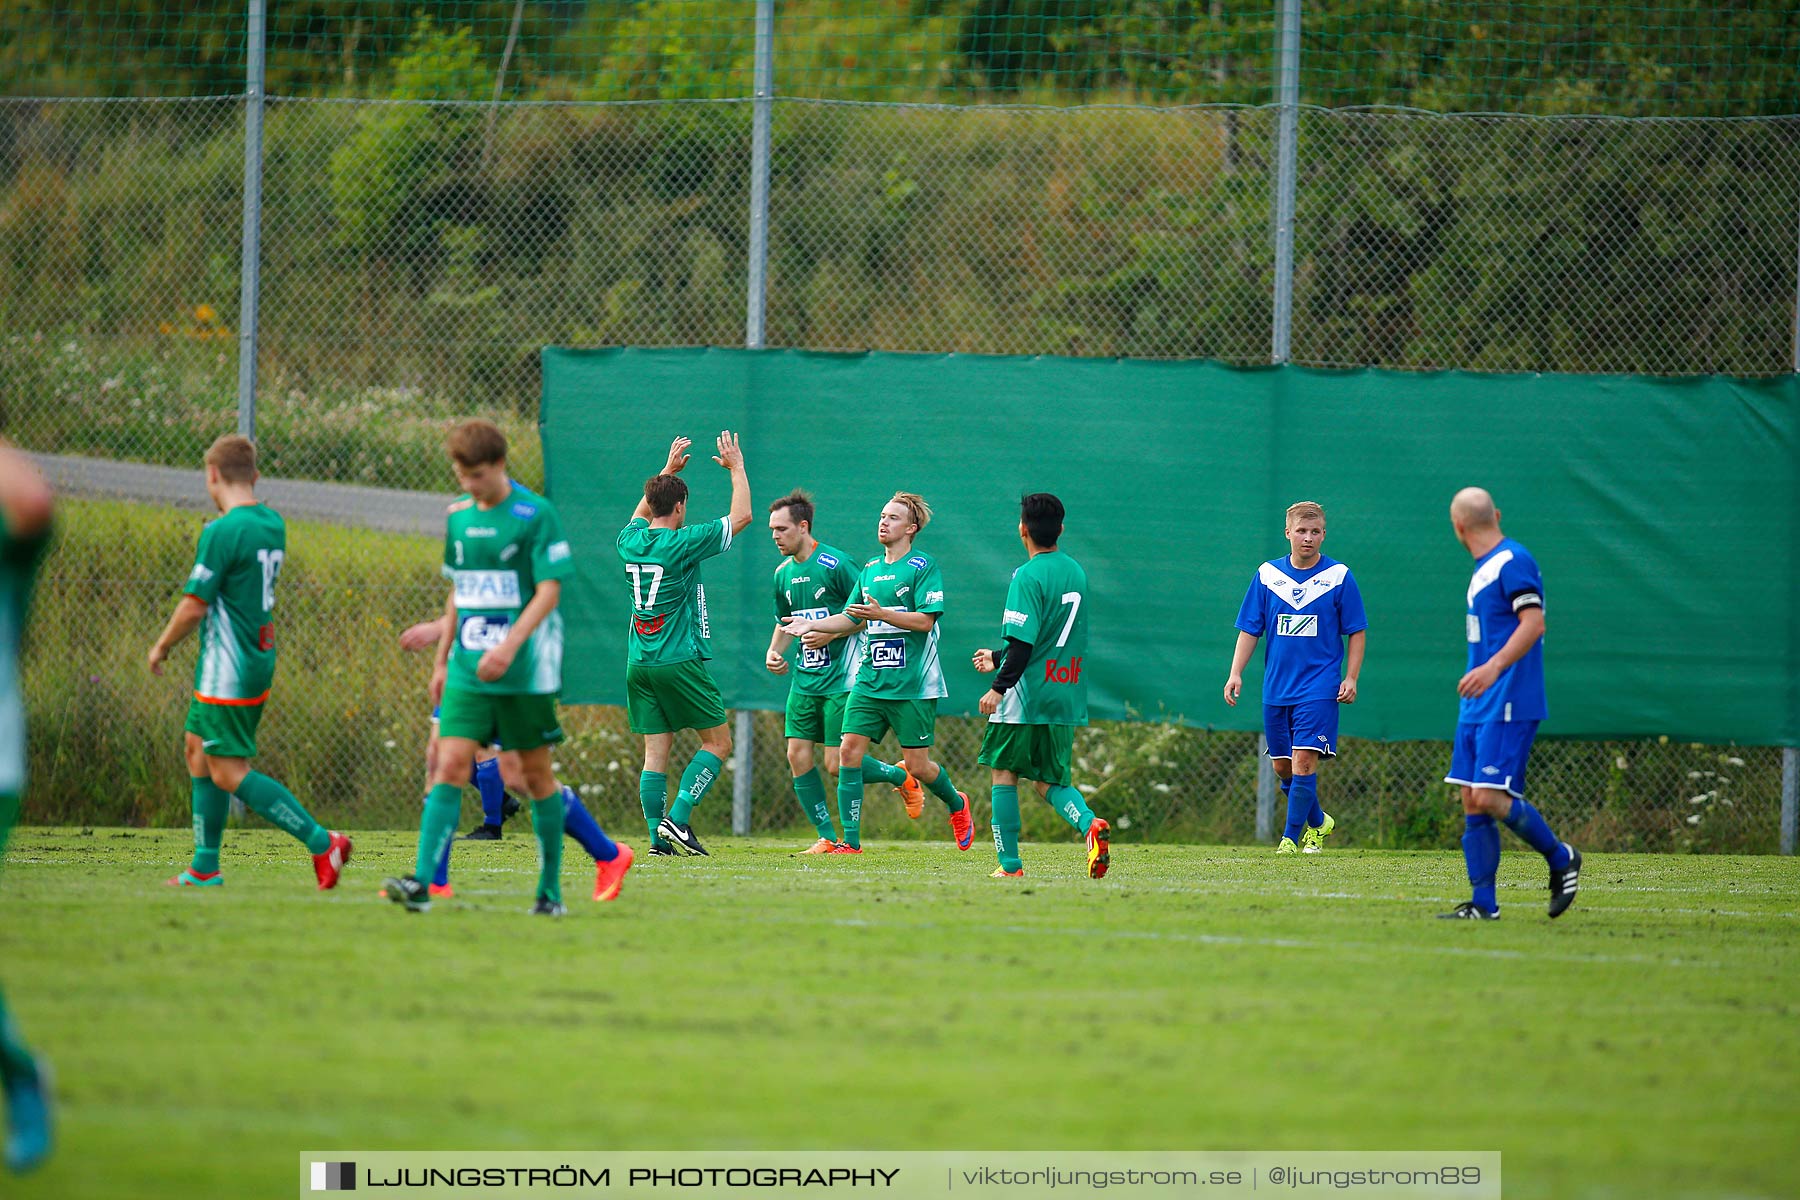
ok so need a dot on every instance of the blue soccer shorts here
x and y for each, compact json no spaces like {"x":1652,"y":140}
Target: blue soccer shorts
{"x":1492,"y":754}
{"x":1309,"y":725}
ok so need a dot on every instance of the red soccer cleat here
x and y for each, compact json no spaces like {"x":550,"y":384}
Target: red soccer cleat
{"x":328,"y":865}
{"x":609,"y":877}
{"x":437,"y":891}
{"x":962,"y":823}
{"x":1003,"y":873}
{"x":846,"y":848}
{"x":1098,"y":848}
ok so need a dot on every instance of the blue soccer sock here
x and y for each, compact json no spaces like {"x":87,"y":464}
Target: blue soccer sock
{"x":1529,"y":824}
{"x":579,"y":824}
{"x":486,"y":778}
{"x":441,"y":878}
{"x":1316,"y":818}
{"x":1302,"y":798}
{"x":1481,"y":851}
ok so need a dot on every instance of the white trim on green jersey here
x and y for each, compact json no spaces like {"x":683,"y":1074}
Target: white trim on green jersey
{"x":221,"y":672}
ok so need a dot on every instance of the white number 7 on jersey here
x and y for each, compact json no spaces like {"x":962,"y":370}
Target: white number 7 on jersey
{"x":1073,"y":600}
{"x":637,"y":571}
{"x":271,"y":568}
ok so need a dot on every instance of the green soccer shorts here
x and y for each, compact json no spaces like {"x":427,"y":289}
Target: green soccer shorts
{"x":1040,"y":752}
{"x":914,"y":722}
{"x":667,"y":699}
{"x":509,"y":721}
{"x":816,"y":718}
{"x":225,"y":730}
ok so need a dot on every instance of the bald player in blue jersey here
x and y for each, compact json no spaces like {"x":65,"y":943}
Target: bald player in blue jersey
{"x":1502,"y":702}
{"x":1311,"y":609}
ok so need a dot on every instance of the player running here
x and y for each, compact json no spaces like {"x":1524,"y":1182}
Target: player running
{"x":230,"y":599}
{"x":498,"y":676}
{"x":813,"y":581}
{"x":26,"y":509}
{"x":494,"y":775}
{"x":897,"y":680}
{"x":1502,"y":702}
{"x":667,"y":687}
{"x":1310,"y":605}
{"x":1039,"y":696}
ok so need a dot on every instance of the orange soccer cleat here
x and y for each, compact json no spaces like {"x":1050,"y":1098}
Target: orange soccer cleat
{"x":822,"y":846}
{"x":962,"y":823}
{"x":912,"y":794}
{"x":1003,"y":873}
{"x":1099,"y":849}
{"x":846,"y":848}
{"x":609,"y":877}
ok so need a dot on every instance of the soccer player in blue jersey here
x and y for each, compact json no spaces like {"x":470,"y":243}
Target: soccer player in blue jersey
{"x":1502,"y":702}
{"x":1310,"y":607}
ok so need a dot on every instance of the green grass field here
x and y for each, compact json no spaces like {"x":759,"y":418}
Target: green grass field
{"x":1197,"y":998}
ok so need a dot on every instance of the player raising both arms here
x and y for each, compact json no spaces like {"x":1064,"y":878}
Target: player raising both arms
{"x":1039,"y":696}
{"x":813,"y":581}
{"x":230,"y":599}
{"x":498,"y":675}
{"x":667,"y":687}
{"x":898,"y":679}
{"x":1309,"y":605}
{"x":25,"y":515}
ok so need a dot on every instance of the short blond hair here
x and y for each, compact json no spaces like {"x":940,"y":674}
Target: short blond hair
{"x":916,"y":506}
{"x":1303,"y":508}
{"x":235,"y":457}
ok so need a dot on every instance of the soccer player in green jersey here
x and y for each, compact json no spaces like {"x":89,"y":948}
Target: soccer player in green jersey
{"x":898,"y":678}
{"x":667,"y":687}
{"x":499,"y":672}
{"x":1039,"y":697}
{"x":26,"y":508}
{"x":230,"y":599}
{"x":813,"y":581}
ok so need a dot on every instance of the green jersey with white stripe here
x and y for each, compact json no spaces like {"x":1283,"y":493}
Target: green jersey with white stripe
{"x":236,"y":565}
{"x":815,"y":589}
{"x":19,"y":559}
{"x":1046,"y":607}
{"x":495,"y":558}
{"x":669,"y":623}
{"x":896,"y":663}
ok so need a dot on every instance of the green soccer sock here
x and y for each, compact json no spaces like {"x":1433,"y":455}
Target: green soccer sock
{"x":881,"y":772}
{"x":944,"y":790}
{"x":437,"y":825}
{"x":275,"y":804}
{"x":211,"y":806}
{"x":809,"y":789}
{"x":547,"y":824}
{"x":696,"y":781}
{"x":653,"y":794}
{"x":1006,"y":826}
{"x":1070,"y":806}
{"x":850,"y":798}
{"x":16,"y":1063}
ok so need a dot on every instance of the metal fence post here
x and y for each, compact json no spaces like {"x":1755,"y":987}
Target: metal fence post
{"x":1287,"y":138}
{"x":755,"y":300}
{"x":1266,"y":790}
{"x":1790,"y":799}
{"x":250,"y":271}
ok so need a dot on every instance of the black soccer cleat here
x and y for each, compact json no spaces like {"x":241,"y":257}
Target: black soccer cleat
{"x":662,"y":849}
{"x":1466,"y":911}
{"x":546,"y":907}
{"x":483,"y":833}
{"x":1565,"y":883}
{"x":509,"y":808}
{"x":681,"y":836}
{"x":408,"y":892}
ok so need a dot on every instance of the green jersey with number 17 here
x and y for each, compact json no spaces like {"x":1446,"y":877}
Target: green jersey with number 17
{"x":815,"y":589}
{"x":495,"y":558}
{"x":1046,"y":606}
{"x":668,"y":601}
{"x":235,"y":567}
{"x":896,"y":663}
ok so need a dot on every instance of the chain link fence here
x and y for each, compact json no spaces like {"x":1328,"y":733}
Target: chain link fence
{"x":445,"y":192}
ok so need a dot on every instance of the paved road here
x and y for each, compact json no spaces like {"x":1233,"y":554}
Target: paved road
{"x":337,"y":503}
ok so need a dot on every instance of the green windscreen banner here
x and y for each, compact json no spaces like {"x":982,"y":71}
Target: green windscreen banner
{"x":1661,"y":511}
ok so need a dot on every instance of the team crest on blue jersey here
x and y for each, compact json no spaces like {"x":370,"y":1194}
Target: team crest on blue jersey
{"x":524,"y":511}
{"x":827,"y":560}
{"x":919,"y":561}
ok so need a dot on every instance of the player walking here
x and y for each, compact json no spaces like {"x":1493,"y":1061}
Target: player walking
{"x":230,"y":599}
{"x":667,"y":686}
{"x":1309,"y":605}
{"x":1502,"y":702}
{"x":813,"y":581}
{"x":1039,"y":696}
{"x":898,"y":678}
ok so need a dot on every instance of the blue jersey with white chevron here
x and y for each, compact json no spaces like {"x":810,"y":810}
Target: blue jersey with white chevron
{"x":1506,"y":582}
{"x":1306,"y":615}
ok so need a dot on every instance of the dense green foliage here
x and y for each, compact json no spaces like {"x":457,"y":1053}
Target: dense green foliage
{"x":1196,"y":999}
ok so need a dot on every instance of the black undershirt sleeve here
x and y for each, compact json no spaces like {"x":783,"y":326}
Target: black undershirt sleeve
{"x":1013,"y":669}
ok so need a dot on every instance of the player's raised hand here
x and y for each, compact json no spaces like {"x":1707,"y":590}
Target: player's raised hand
{"x":1234,"y":687}
{"x":776,"y":662}
{"x":678,"y":456}
{"x":422,"y":636}
{"x":984,"y":661}
{"x":730,"y":455}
